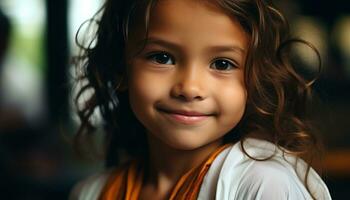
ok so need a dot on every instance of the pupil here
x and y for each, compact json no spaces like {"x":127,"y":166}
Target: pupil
{"x":222,"y":65}
{"x":163,"y":58}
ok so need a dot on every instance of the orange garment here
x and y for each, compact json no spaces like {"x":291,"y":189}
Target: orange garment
{"x":126,"y":182}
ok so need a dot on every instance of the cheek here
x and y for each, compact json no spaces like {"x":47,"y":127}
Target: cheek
{"x":145,"y":88}
{"x":141,"y":95}
{"x":232,"y":102}
{"x":140,"y":90}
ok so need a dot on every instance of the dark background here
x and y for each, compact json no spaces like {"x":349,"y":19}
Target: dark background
{"x":36,"y":156}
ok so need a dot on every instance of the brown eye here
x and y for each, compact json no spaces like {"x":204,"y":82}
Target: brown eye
{"x":161,"y":58}
{"x":222,"y":65}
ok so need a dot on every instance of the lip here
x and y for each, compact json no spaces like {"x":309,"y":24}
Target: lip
{"x":185,"y":117}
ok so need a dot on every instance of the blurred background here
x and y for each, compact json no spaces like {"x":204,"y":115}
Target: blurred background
{"x":37,"y":119}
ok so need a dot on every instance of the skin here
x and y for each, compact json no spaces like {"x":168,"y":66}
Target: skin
{"x":193,"y":61}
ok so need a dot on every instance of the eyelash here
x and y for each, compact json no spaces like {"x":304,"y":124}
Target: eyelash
{"x":233,"y":65}
{"x":153,"y":57}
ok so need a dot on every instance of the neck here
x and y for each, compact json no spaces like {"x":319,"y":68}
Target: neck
{"x":166,"y":164}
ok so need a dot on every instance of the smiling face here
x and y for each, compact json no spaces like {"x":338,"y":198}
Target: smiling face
{"x":187,"y":85}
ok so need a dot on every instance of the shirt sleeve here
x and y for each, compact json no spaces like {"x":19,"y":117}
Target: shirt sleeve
{"x":270,"y":181}
{"x":90,"y":188}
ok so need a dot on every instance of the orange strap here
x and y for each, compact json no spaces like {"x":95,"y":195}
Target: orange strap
{"x":126,"y":182}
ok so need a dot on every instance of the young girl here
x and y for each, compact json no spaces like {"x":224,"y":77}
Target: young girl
{"x":199,"y":101}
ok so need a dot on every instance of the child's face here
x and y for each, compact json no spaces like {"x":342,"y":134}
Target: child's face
{"x":187,"y":85}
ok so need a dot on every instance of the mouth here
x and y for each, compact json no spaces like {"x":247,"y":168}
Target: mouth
{"x":188,"y":117}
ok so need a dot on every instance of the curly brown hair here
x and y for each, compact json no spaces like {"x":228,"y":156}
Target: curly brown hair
{"x":277,"y":94}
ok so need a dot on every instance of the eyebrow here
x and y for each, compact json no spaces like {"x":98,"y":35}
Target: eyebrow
{"x":171,"y":45}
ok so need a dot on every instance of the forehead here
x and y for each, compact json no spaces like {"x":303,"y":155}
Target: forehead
{"x":196,"y":13}
{"x":194,"y":23}
{"x":202,"y":15}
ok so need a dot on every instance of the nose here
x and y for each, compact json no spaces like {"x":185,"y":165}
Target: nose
{"x":189,"y":85}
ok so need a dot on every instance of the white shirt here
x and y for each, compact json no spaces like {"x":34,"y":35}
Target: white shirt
{"x":235,"y":176}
